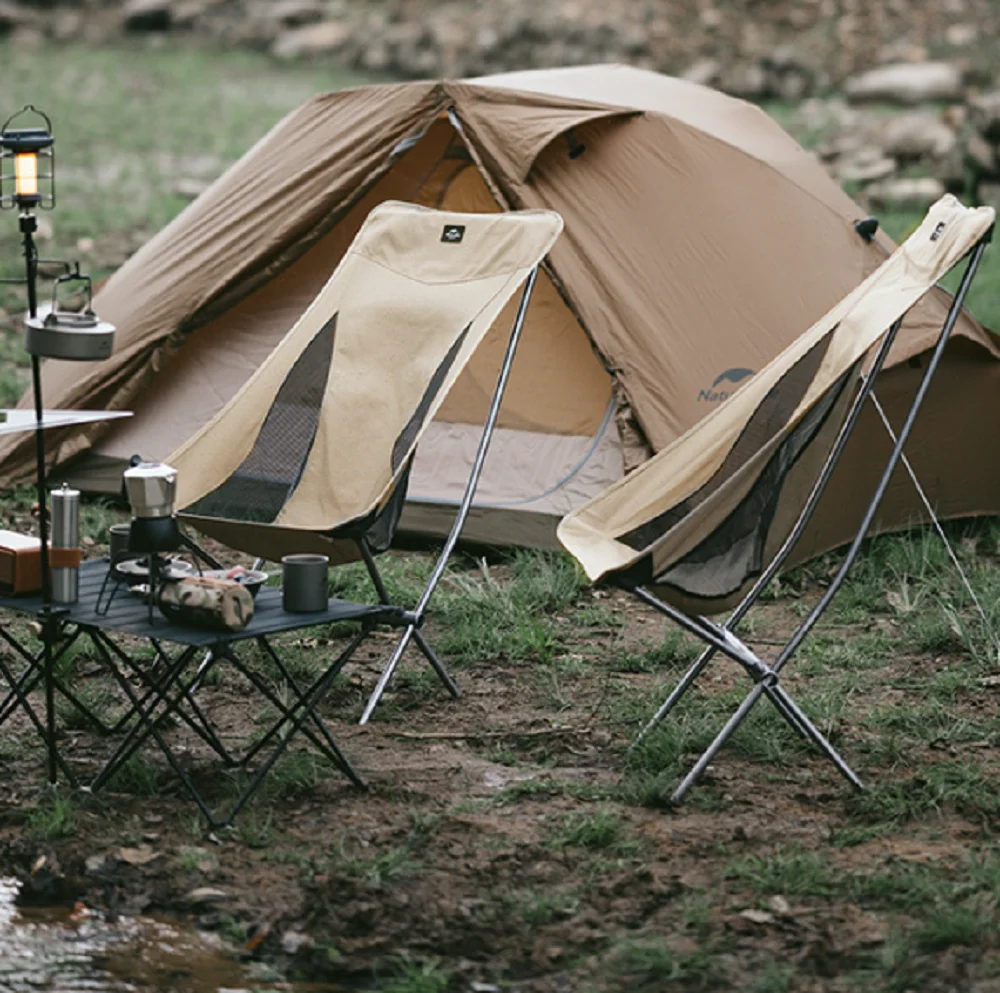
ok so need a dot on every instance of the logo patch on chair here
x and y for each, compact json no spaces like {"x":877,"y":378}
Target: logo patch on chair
{"x":453,"y":233}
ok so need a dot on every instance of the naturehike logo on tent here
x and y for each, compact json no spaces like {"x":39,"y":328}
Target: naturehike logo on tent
{"x":715,"y":395}
{"x":453,"y":233}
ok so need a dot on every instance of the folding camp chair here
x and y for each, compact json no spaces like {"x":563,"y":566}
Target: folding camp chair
{"x":707,"y":523}
{"x":313,"y":453}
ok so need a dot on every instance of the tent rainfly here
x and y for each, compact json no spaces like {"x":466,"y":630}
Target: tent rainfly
{"x":700,"y":240}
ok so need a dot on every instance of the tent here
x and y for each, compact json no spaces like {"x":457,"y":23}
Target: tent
{"x":700,"y":241}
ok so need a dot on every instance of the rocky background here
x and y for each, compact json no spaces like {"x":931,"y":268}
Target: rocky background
{"x":933,"y":59}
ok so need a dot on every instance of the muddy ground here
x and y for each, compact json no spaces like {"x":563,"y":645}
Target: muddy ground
{"x":511,"y":839}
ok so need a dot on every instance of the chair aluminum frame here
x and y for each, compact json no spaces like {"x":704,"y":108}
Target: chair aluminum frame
{"x":721,"y":638}
{"x":418,"y":615}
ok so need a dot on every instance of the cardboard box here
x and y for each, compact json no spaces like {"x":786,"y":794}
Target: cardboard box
{"x":20,"y":563}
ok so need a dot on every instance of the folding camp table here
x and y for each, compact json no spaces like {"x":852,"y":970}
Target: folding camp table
{"x":166,"y":686}
{"x":708,"y":522}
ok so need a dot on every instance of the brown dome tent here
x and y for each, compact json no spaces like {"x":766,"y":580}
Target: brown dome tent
{"x":700,"y":240}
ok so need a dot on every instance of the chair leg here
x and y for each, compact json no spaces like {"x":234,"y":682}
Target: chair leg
{"x":431,"y":657}
{"x":387,"y":672}
{"x":425,"y":648}
{"x":21,"y":700}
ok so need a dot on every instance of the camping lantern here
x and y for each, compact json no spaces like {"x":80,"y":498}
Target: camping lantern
{"x":24,"y":147}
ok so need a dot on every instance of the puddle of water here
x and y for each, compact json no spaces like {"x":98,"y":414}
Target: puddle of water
{"x":52,"y":949}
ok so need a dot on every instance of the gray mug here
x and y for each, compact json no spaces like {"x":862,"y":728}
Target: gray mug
{"x":304,"y":583}
{"x":118,"y":541}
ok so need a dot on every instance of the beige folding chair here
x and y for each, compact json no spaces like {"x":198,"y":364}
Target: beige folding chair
{"x":705,"y":525}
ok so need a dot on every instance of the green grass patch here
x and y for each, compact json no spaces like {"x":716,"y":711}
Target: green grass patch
{"x":410,"y":975}
{"x":788,"y":872}
{"x":677,"y":649}
{"x":966,"y":788}
{"x":508,"y":612}
{"x":53,"y":818}
{"x":599,"y":830}
{"x":645,"y":964}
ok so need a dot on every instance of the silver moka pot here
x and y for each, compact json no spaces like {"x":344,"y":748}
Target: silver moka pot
{"x":151,"y":488}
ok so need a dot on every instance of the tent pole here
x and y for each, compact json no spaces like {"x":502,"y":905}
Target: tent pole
{"x":465,"y":505}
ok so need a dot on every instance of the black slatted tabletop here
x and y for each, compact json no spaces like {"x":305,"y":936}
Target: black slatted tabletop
{"x":128,"y":614}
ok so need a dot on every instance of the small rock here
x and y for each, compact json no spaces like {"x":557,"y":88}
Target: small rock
{"x":906,"y":193}
{"x":780,"y":905}
{"x":11,"y":17}
{"x":142,"y":855}
{"x":85,"y":245}
{"x":704,"y":72}
{"x":67,"y":25}
{"x":291,"y":13}
{"x":748,"y":82}
{"x":94,"y":865}
{"x":791,"y":85}
{"x":292,"y":942}
{"x":865,"y":169}
{"x":757,"y":916}
{"x":311,"y":40}
{"x":205,"y":895}
{"x":790,"y":75}
{"x":187,"y":13}
{"x":914,"y":136}
{"x":190,"y":188}
{"x":907,"y":83}
{"x":147,"y":15}
{"x":960,"y":35}
{"x":984,"y":115}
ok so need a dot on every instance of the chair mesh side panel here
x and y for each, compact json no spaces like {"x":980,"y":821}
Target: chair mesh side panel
{"x":412,"y":428}
{"x":734,"y":551}
{"x":262,"y":483}
{"x":767,"y":420}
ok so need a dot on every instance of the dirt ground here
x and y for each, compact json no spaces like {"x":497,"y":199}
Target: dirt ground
{"x":511,"y":839}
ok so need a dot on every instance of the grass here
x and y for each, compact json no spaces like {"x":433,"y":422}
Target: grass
{"x":137,"y":776}
{"x":648,"y":963}
{"x":537,"y":908}
{"x":506,"y":613}
{"x":413,"y":976}
{"x":788,"y":873}
{"x":53,"y":818}
{"x":602,"y":830}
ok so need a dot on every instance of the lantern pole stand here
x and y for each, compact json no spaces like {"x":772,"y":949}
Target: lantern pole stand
{"x":23,"y":146}
{"x":48,"y":619}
